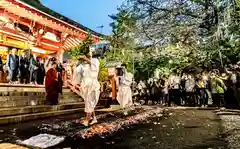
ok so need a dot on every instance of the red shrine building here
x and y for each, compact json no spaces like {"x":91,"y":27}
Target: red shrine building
{"x":27,"y":24}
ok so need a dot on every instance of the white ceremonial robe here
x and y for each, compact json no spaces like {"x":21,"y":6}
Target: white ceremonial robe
{"x":77,"y":75}
{"x":124,"y":95}
{"x":90,"y":87}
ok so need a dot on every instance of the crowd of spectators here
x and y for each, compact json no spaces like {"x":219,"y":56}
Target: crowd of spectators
{"x":216,"y":87}
{"x":28,"y":69}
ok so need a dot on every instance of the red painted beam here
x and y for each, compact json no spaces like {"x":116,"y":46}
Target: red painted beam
{"x":48,"y":48}
{"x":50,"y":42}
{"x":39,"y":13}
{"x":37,"y":26}
{"x":28,"y":23}
{"x":13,"y":32}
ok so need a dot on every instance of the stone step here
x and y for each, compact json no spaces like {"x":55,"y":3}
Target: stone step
{"x":33,"y":100}
{"x":17,"y":95}
{"x":31,"y":93}
{"x":25,"y":88}
{"x":38,"y":109}
{"x":35,"y":116}
{"x":34,"y":95}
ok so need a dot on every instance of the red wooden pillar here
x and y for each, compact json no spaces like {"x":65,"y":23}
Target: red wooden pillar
{"x":39,"y":34}
{"x":60,"y":53}
{"x":114,"y":87}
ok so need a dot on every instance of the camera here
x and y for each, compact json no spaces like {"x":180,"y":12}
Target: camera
{"x":53,"y":59}
{"x":119,"y":71}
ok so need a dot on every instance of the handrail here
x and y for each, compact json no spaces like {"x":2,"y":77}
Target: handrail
{"x":72,"y":87}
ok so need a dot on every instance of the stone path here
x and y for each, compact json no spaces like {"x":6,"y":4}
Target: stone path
{"x":176,"y":128}
{"x":231,"y":129}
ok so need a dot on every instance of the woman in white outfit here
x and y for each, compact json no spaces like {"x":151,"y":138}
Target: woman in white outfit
{"x":89,"y":86}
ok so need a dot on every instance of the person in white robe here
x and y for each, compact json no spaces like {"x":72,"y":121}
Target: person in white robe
{"x":124,"y":95}
{"x":89,"y":87}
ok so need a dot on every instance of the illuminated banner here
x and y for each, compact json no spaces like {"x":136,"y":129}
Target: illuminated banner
{"x":15,"y":43}
{"x":9,"y":41}
{"x":1,"y":37}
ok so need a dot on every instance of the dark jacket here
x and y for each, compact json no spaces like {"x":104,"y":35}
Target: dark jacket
{"x":23,"y":62}
{"x":34,"y":64}
{"x":12,"y":62}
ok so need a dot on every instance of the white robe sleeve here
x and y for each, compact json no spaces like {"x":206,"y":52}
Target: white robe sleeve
{"x":95,"y":64}
{"x":79,"y":69}
{"x":124,"y":96}
{"x":128,"y":79}
{"x":77,"y":75}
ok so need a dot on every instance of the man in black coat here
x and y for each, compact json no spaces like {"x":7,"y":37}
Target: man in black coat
{"x":12,"y":65}
{"x":24,"y":68}
{"x":34,"y":66}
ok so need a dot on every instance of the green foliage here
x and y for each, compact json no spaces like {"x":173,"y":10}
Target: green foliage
{"x":238,"y":3}
{"x":170,"y":58}
{"x":122,"y":40}
{"x":83,"y":48}
{"x":103,"y":71}
{"x":187,"y":33}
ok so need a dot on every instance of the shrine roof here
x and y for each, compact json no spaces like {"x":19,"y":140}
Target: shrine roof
{"x":38,"y":5}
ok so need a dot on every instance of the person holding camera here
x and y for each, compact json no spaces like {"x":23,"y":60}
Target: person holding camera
{"x":124,"y":95}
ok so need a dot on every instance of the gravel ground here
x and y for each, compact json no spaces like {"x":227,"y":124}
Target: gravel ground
{"x":175,"y":129}
{"x":60,"y":126}
{"x":231,"y":125}
{"x":13,"y":132}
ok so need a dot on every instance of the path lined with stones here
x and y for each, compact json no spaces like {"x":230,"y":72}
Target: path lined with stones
{"x":178,"y":129}
{"x":60,"y":126}
{"x":175,"y":128}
